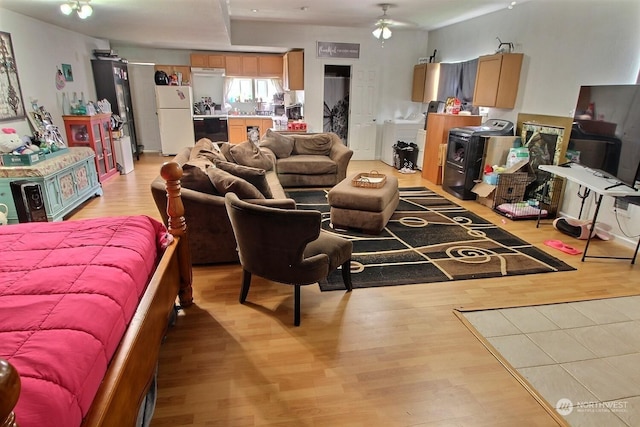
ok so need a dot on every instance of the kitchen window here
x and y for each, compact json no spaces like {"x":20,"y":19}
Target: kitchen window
{"x":250,"y":90}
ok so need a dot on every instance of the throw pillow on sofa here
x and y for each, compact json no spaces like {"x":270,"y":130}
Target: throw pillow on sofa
{"x":225,"y":149}
{"x":255,"y":176}
{"x":281,"y":145}
{"x":206,"y":149}
{"x":248,"y":154}
{"x":194,"y":178}
{"x":224,"y":183}
{"x":317,"y":144}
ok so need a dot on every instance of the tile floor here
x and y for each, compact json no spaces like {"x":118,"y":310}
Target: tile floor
{"x":583,"y":357}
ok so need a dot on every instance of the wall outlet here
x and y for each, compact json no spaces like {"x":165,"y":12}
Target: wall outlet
{"x":621,"y":207}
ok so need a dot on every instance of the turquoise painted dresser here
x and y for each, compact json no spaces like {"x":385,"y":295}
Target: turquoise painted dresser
{"x":66,"y":181}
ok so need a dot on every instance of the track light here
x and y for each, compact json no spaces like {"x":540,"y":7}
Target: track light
{"x":82,"y":10}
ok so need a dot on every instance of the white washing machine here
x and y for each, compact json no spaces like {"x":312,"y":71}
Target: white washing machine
{"x":401,"y":130}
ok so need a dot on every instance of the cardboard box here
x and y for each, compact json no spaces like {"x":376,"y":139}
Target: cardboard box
{"x":487,"y":192}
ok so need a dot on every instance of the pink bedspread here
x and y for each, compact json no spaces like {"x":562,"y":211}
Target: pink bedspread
{"x":67,"y":293}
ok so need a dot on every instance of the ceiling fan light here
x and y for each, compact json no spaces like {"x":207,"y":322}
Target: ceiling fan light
{"x":386,"y":33}
{"x":85,"y":11}
{"x":66,"y":8}
{"x":377,"y":33}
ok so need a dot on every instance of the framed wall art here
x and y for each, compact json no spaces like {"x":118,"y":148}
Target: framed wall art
{"x":11,"y":103}
{"x":67,"y":72}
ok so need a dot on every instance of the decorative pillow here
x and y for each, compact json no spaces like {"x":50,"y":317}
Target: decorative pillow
{"x":317,"y":144}
{"x":255,"y":176}
{"x":248,"y":154}
{"x":281,"y":145}
{"x":196,"y":179}
{"x":224,"y":183}
{"x":199,"y":162}
{"x":206,"y":149}
{"x":225,"y":149}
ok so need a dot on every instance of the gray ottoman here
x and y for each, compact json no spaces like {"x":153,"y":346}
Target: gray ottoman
{"x":367,"y":209}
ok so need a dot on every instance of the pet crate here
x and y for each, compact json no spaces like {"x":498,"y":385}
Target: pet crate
{"x":518,"y":197}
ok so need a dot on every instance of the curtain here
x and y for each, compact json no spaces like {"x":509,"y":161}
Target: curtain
{"x":277,"y":83}
{"x":228,"y":81}
{"x":458,"y":80}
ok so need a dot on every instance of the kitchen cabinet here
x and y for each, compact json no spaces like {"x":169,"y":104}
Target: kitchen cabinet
{"x":241,"y":65}
{"x":425,"y":82}
{"x":175,"y":69}
{"x":497,"y":80}
{"x":215,"y":61}
{"x":94,"y":132}
{"x":438,"y":126}
{"x":270,"y":66}
{"x":238,"y":127}
{"x":207,"y":60}
{"x":293,"y":70}
{"x":233,"y":65}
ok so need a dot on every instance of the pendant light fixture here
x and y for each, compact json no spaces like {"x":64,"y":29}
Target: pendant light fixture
{"x":382,"y":30}
{"x":82,"y":8}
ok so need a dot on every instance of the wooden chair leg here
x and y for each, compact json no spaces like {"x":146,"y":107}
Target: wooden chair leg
{"x":246,"y":282}
{"x":346,"y":275}
{"x":296,"y":305}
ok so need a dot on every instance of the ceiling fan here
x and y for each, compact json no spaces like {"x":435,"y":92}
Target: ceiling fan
{"x":384,"y":23}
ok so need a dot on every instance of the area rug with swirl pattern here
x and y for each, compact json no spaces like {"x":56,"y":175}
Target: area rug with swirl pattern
{"x":430,"y":239}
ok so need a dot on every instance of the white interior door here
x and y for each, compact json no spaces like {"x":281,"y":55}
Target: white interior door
{"x":362,"y":124}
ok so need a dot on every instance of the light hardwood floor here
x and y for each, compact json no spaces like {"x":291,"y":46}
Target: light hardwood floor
{"x":392,"y":356}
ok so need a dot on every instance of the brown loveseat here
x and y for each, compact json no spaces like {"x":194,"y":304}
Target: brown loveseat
{"x":308,"y":160}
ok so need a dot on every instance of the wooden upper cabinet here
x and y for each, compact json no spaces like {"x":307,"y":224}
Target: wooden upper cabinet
{"x":233,"y":65}
{"x":215,"y":61}
{"x":497,"y":80}
{"x":199,"y":60}
{"x":249,"y":66}
{"x":270,"y":66}
{"x":425,"y":82}
{"x":293,"y":70}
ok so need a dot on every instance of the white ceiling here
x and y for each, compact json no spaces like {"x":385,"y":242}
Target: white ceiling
{"x":204,"y":24}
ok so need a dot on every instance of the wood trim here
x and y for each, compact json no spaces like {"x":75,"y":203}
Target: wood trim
{"x":513,"y":371}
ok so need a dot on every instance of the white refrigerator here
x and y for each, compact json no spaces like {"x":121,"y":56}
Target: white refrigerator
{"x":174,"y":105}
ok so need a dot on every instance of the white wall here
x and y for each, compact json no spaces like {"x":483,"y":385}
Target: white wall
{"x":566,"y":45}
{"x":40,"y":49}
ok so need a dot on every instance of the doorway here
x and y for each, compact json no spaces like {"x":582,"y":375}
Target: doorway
{"x":337,"y":81}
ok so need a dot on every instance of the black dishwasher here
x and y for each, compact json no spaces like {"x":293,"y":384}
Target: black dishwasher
{"x":212,"y":127}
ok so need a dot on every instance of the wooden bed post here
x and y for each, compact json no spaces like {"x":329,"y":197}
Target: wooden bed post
{"x":9,"y":392}
{"x":171,"y":172}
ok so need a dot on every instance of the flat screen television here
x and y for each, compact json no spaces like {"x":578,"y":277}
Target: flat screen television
{"x":606,"y":131}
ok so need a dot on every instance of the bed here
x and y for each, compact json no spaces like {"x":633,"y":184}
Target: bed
{"x":57,"y":366}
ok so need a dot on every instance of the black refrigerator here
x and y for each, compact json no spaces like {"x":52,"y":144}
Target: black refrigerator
{"x":112,"y":83}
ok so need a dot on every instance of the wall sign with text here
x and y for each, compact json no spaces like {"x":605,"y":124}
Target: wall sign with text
{"x":338,"y":50}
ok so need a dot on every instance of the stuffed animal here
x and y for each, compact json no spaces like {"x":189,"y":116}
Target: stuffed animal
{"x":9,"y":140}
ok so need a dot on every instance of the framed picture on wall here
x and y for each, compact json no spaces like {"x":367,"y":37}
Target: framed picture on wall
{"x":11,"y":103}
{"x":67,"y":72}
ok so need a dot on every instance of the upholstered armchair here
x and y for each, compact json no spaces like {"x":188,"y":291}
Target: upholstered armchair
{"x":286,"y":246}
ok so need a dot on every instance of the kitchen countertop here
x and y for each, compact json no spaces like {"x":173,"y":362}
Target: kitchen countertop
{"x":209,"y":116}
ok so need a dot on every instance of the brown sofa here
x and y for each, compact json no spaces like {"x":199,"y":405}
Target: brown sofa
{"x":308,"y":160}
{"x":210,"y":234}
